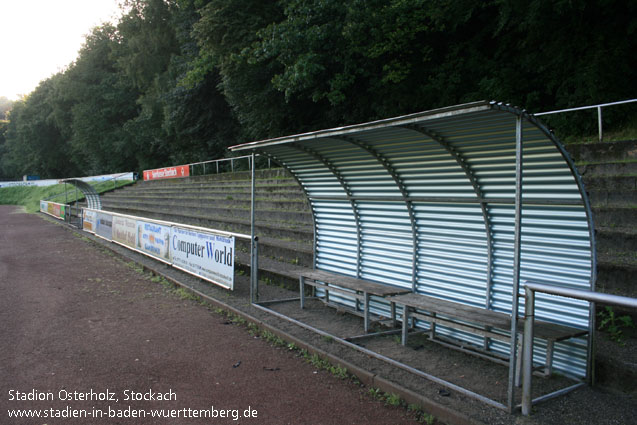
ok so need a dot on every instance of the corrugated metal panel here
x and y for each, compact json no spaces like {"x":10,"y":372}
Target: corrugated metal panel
{"x":428,"y":202}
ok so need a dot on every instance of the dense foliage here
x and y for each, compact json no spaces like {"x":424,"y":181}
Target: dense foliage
{"x":177,"y":81}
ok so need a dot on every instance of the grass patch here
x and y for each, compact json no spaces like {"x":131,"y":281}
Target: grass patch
{"x":29,"y":196}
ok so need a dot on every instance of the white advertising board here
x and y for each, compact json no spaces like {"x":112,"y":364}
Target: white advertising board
{"x":89,"y":220}
{"x":207,"y":255}
{"x":125,"y":231}
{"x":104,"y":225}
{"x":153,"y":239}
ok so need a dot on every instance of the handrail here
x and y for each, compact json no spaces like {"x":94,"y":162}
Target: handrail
{"x":529,"y":314}
{"x":599,"y":112}
{"x":218,"y":161}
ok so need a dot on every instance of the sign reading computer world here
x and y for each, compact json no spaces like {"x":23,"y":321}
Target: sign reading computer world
{"x":208,"y":255}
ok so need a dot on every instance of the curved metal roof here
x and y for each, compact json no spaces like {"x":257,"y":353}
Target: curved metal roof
{"x":455,"y":203}
{"x":92,"y":197}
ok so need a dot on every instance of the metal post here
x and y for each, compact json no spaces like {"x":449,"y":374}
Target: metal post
{"x":254,"y":272}
{"x":231,"y":165}
{"x":217,"y":164}
{"x":66,"y":197}
{"x":516,"y":262}
{"x":254,"y":296}
{"x":599,"y":122}
{"x":527,"y":373}
{"x":204,"y":168}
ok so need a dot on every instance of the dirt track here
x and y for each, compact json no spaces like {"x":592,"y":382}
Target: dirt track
{"x":76,"y":319}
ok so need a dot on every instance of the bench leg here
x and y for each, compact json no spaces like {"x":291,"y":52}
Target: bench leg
{"x":405,"y":324}
{"x":366,"y":307}
{"x":392,"y":309}
{"x":518,"y":362}
{"x":302,"y":289}
{"x":548,"y":366}
{"x":432,"y":328}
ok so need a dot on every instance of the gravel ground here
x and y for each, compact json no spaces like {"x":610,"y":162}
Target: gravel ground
{"x":80,"y":325}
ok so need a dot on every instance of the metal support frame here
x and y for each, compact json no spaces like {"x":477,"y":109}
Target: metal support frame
{"x":590,"y":353}
{"x":91,"y":195}
{"x":305,"y":192}
{"x":254,"y":248}
{"x":386,"y":164}
{"x":389,"y":360}
{"x":462,"y":163}
{"x":529,"y":313}
{"x":516,"y":202}
{"x":516,"y":262}
{"x":349,"y":197}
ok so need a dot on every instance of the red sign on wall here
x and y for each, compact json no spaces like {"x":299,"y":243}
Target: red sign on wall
{"x":167,"y":173}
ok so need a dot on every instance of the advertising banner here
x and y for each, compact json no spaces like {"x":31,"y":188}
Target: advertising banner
{"x":89,"y":220}
{"x":207,"y":255}
{"x":153,"y":239}
{"x":104,"y":225}
{"x":53,"y":208}
{"x":125,"y":231}
{"x":167,"y":173}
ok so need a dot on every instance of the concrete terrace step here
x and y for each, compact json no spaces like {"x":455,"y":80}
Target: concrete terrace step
{"x":264,"y":228}
{"x":196,"y":181}
{"x":273,"y":270}
{"x":603,"y":152}
{"x":161,"y":205}
{"x":243,"y":187}
{"x":190,"y":201}
{"x":616,"y":238}
{"x":611,"y":183}
{"x":595,"y":169}
{"x":287,"y":251}
{"x":616,"y":279}
{"x":615,"y":216}
{"x":224,"y":179}
{"x":603,"y":198}
{"x":291,"y":197}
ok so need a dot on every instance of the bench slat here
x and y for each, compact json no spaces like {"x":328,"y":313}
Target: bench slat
{"x":352,"y":283}
{"x":499,"y":320}
{"x":454,"y":310}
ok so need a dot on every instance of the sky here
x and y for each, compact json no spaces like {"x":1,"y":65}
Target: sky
{"x":39,"y":38}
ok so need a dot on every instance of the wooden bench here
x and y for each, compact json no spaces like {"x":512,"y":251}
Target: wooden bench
{"x":477,"y":320}
{"x":360,"y":289}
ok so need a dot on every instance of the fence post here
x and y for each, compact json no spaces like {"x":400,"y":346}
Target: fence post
{"x":599,"y":122}
{"x":254,"y":251}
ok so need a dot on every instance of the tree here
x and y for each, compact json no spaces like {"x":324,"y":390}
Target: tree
{"x":34,"y":144}
{"x":100,"y":100}
{"x":5,"y":107}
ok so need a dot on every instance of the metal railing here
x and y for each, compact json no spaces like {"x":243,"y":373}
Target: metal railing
{"x":529,"y":314}
{"x":599,"y":112}
{"x":218,"y":164}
